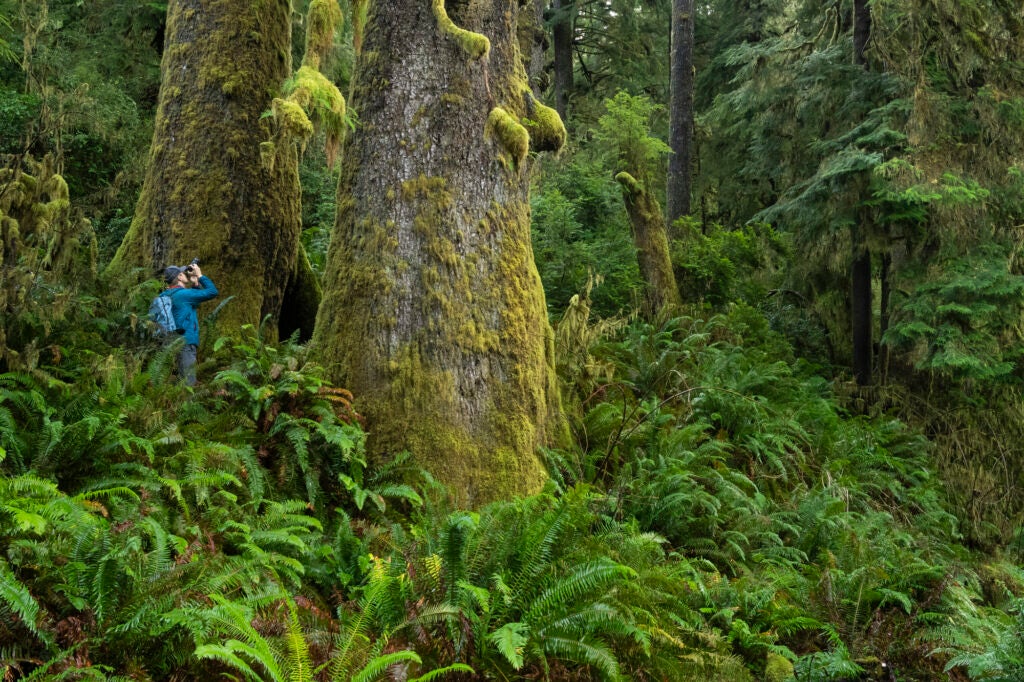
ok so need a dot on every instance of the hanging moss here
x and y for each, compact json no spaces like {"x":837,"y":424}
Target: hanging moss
{"x":323,"y":18}
{"x":292,"y":119}
{"x":44,"y":245}
{"x":513,"y":137}
{"x":476,"y":45}
{"x":359,"y":9}
{"x":318,"y":96}
{"x":629,"y":183}
{"x":268,"y":154}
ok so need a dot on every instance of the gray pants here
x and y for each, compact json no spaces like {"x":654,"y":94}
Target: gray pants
{"x":187,"y":363}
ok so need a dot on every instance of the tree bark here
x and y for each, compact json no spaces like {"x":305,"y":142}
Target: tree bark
{"x":433,"y":311}
{"x":882,"y":362}
{"x":860,"y":269}
{"x":562,"y":36}
{"x":651,"y":240}
{"x":533,"y":43}
{"x":206,"y":192}
{"x":860,"y":298}
{"x":680,"y":111}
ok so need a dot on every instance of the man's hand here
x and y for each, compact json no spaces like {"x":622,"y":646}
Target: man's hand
{"x":194,"y":275}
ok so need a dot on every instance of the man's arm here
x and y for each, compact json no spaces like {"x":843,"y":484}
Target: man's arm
{"x":205,"y":290}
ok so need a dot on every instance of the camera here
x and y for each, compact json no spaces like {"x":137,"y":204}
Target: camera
{"x":192,"y":266}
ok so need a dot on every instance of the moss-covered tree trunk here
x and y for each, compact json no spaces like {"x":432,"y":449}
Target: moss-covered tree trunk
{"x":650,"y":236}
{"x":433,"y":310}
{"x":206,"y":191}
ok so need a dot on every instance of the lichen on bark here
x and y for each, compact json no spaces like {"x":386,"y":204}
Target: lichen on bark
{"x":433,"y":311}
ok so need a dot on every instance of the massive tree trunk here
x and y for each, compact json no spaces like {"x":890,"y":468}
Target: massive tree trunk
{"x":433,"y":311}
{"x":561,"y":35}
{"x":860,"y":277}
{"x":680,"y":111}
{"x":651,"y":240}
{"x":206,"y":192}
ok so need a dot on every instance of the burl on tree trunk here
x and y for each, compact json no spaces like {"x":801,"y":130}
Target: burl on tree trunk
{"x":433,"y":310}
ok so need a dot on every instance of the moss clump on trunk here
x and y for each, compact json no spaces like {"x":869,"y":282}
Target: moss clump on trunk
{"x":514,"y":138}
{"x":475,"y":45}
{"x":545,"y":126}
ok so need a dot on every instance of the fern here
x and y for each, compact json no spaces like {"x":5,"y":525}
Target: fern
{"x":15,"y":596}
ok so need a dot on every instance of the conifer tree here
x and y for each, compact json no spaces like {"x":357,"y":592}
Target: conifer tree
{"x":680,"y":111}
{"x":210,"y":189}
{"x":562,"y":29}
{"x":860,"y":266}
{"x":433,"y":312}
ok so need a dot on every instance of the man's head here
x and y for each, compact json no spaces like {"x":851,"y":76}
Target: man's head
{"x":175,"y":276}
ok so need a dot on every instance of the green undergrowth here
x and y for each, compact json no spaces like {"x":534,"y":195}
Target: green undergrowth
{"x":721,"y":518}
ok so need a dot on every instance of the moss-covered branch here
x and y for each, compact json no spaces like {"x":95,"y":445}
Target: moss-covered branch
{"x":547,"y":131}
{"x":650,"y":237}
{"x":476,"y":45}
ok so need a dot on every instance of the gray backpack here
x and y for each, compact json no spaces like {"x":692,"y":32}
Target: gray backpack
{"x":161,"y":313}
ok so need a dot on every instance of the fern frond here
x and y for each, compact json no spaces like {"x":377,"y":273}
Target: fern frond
{"x":17,"y":598}
{"x":379,"y":665}
{"x":442,"y":673}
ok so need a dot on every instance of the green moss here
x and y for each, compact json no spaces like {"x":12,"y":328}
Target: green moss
{"x":323,"y":19}
{"x":513,"y":137}
{"x":476,"y":45}
{"x":268,"y":154}
{"x":211,"y":189}
{"x":452,"y":100}
{"x":547,"y":132}
{"x":318,"y":96}
{"x":292,"y":118}
{"x":359,"y":10}
{"x":629,"y":183}
{"x":450,"y":354}
{"x":650,"y":236}
{"x":777,"y":669}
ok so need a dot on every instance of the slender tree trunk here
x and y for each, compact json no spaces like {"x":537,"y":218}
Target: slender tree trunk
{"x":860,"y":298}
{"x":206,"y":192}
{"x":680,"y":111}
{"x":562,"y":35}
{"x":433,"y":311}
{"x":861,"y":315}
{"x":883,"y":316}
{"x":651,"y":240}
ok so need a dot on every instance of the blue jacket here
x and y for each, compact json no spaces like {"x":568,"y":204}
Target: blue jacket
{"x":184,"y":303}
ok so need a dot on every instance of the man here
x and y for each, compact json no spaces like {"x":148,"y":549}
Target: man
{"x":187,"y":287}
